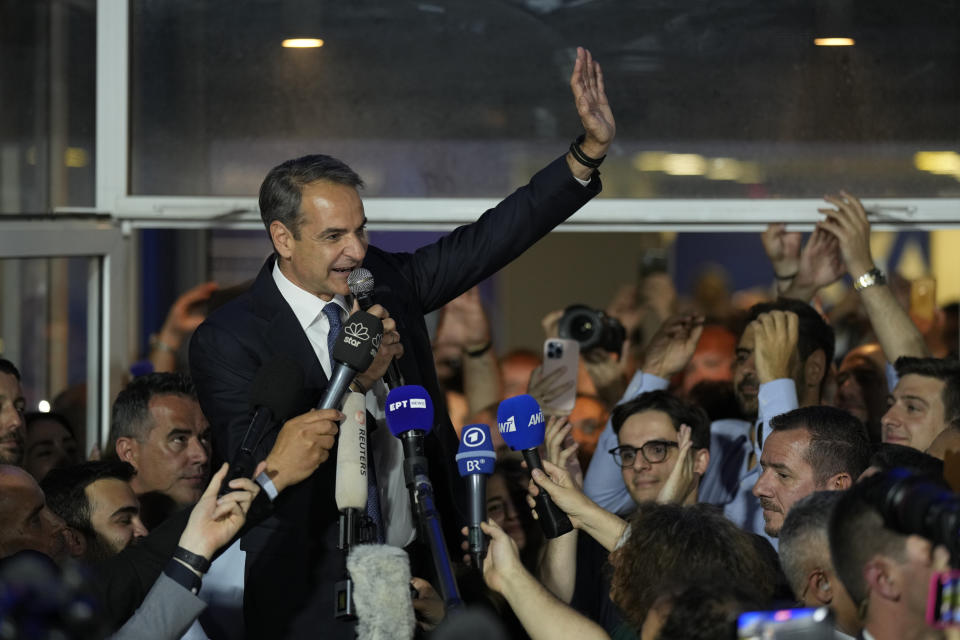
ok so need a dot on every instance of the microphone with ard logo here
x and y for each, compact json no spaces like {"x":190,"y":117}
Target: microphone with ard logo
{"x":476,"y":460}
{"x":355,"y":348}
{"x":522,"y":426}
{"x":410,"y":418}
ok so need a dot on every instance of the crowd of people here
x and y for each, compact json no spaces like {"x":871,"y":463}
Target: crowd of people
{"x":724,"y":459}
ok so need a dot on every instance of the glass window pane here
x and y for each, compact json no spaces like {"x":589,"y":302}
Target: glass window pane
{"x":466,"y":99}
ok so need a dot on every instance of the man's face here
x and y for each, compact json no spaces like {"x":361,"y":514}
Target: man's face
{"x":916,"y":414}
{"x":49,"y":445}
{"x":332,"y":239}
{"x":114,"y":513}
{"x":25,"y":520}
{"x":785,"y":476}
{"x":644,"y":479}
{"x":12,"y":405}
{"x":746,"y":385}
{"x":174,"y":457}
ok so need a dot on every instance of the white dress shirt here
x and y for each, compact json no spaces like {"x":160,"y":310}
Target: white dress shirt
{"x":387,"y":450}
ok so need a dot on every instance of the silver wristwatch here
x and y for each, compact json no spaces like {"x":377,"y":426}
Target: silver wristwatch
{"x":869,"y":279}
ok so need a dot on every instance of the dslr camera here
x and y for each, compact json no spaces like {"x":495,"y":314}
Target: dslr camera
{"x":592,"y":328}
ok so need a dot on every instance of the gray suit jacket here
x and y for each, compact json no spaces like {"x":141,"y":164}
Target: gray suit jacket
{"x":166,"y":613}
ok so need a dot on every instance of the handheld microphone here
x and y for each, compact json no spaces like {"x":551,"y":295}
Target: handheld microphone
{"x":274,"y":396}
{"x":410,"y":418}
{"x":476,"y":460}
{"x":353,"y":352}
{"x":351,"y":484}
{"x":350,"y":492}
{"x":522,"y":426}
{"x":360,"y":282}
{"x":381,"y":575}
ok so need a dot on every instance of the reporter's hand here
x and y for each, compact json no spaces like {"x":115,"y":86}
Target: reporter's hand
{"x":428,"y":605}
{"x":215,"y":521}
{"x":849,"y":224}
{"x":775,"y":348}
{"x":561,"y":488}
{"x":502,"y":563}
{"x":390,"y":347}
{"x":673,"y":345}
{"x":302,"y":445}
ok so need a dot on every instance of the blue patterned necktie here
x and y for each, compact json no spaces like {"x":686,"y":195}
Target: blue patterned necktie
{"x":332,"y":311}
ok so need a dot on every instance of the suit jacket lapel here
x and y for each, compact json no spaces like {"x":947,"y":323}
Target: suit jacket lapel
{"x":284,"y":333}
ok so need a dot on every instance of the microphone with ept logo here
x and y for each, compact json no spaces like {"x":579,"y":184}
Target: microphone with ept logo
{"x":522,"y":426}
{"x":353,"y":352}
{"x":410,"y":418}
{"x":476,"y":460}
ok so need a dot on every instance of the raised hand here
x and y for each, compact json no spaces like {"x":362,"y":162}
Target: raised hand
{"x":673,"y":345}
{"x":560,"y":448}
{"x":783,"y":250}
{"x":214,"y":521}
{"x":821,"y":264}
{"x":680,"y":482}
{"x":586,"y":81}
{"x":775,"y":348}
{"x":849,"y":224}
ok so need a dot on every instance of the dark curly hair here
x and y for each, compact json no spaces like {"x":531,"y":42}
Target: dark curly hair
{"x":669,"y":540}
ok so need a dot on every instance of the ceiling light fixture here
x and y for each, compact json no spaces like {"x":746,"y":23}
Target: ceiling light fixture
{"x":834,"y":42}
{"x":302,"y":43}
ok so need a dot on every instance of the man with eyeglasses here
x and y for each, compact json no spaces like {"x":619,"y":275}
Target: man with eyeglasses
{"x":648,"y":432}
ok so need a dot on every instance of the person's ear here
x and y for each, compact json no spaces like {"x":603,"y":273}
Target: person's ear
{"x":282,"y":239}
{"x":815,"y":368}
{"x":701,"y":460}
{"x":880,"y":576}
{"x":821,"y":588}
{"x":128,"y":450}
{"x":839,"y":482}
{"x":76,"y":543}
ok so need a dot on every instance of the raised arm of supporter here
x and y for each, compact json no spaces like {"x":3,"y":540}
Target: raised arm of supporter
{"x":776,"y":334}
{"x":673,"y":345}
{"x":820,"y":265}
{"x":783,"y":251}
{"x":185,"y":315}
{"x":585,"y":515}
{"x":464,"y":324}
{"x":895,"y":331}
{"x":557,"y":569}
{"x":543,"y":616}
{"x":682,"y":478}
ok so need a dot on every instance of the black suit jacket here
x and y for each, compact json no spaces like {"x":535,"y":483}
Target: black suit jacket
{"x":292,"y":560}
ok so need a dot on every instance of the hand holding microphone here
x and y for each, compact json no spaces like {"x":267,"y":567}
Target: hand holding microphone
{"x":361,"y":285}
{"x":522,"y":427}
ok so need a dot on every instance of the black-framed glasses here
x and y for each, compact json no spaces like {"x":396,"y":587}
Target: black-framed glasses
{"x":653,"y":452}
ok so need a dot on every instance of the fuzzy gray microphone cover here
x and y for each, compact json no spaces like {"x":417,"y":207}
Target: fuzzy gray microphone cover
{"x":381,"y":592}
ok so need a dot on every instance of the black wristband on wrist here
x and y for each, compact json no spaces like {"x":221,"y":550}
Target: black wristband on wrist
{"x":581,"y":157}
{"x":196,"y":561}
{"x":183,"y":576}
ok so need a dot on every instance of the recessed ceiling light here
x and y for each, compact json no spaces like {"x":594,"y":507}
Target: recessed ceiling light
{"x":833,"y":42}
{"x":302,"y":43}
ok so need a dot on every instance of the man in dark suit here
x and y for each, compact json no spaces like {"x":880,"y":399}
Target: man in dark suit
{"x":315,"y":219}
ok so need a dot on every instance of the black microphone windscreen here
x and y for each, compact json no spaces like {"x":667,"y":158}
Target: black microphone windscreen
{"x":277,"y":386}
{"x":359,"y":340}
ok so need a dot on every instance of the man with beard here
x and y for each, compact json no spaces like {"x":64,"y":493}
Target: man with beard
{"x":98,"y":505}
{"x":12,"y":406}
